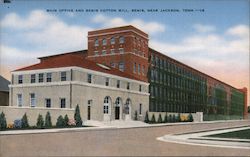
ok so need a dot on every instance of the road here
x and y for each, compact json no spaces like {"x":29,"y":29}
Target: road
{"x":115,"y":142}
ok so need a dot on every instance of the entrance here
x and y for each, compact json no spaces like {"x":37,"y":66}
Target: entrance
{"x":117,"y":112}
{"x":118,"y":104}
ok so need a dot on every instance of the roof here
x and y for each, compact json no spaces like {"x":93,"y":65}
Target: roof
{"x":69,"y":60}
{"x":4,"y":84}
{"x":82,"y":53}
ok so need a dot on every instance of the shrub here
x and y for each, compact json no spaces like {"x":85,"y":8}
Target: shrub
{"x":184,"y":118}
{"x":77,"y":117}
{"x":3,"y":123}
{"x":136,"y":115}
{"x":146,"y":120}
{"x":25,"y":122}
{"x":166,"y":118}
{"x":174,"y":118}
{"x":190,"y":117}
{"x":71,"y":122}
{"x":40,"y":122}
{"x":60,"y":122}
{"x":170,"y":119}
{"x":18,"y":123}
{"x":48,"y":123}
{"x":159,"y":119}
{"x":66,"y":120}
{"x":10,"y":126}
{"x":178,"y":118}
{"x":153,"y":119}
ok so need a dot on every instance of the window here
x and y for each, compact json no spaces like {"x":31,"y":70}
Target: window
{"x":89,"y":78}
{"x":96,"y":42}
{"x":48,"y":103}
{"x":20,"y":79}
{"x":112,"y":51}
{"x":121,"y":66}
{"x":134,"y":67}
{"x":63,"y":76}
{"x":112,"y":40}
{"x":112,"y":64}
{"x":121,"y":40}
{"x":48,"y":77}
{"x":104,"y":42}
{"x":96,"y":53}
{"x":128,"y":85}
{"x":143,"y":70}
{"x":33,"y":78}
{"x":121,"y":50}
{"x":107,"y":81}
{"x":63,"y":102}
{"x":140,"y":109}
{"x":118,"y":83}
{"x":19,"y":100}
{"x":139,"y":68}
{"x":32,"y":100}
{"x":106,"y":105}
{"x":140,"y":87}
{"x":104,"y":52}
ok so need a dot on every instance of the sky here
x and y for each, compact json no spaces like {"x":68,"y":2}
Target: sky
{"x":211,"y":36}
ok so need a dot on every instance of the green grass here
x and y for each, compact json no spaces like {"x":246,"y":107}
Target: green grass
{"x":241,"y":134}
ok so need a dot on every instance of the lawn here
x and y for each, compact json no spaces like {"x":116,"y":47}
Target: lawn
{"x":241,"y":134}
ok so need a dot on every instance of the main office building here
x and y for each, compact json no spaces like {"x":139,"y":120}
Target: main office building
{"x":119,"y":75}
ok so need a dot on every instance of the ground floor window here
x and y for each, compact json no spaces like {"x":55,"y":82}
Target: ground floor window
{"x":19,"y":100}
{"x":32,"y":100}
{"x":48,"y":103}
{"x":63,"y":102}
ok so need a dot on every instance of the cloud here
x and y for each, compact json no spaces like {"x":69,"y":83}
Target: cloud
{"x":149,"y":27}
{"x":203,"y":28}
{"x":239,"y":31}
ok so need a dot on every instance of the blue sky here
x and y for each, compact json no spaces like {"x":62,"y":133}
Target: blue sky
{"x":215,"y":41}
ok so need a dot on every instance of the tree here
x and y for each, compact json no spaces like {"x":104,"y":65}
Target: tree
{"x":25,"y":123}
{"x":178,"y":118}
{"x":77,"y":117}
{"x":153,"y":119}
{"x":146,"y":120}
{"x":48,"y":123}
{"x":3,"y":123}
{"x":170,"y":119}
{"x":136,"y":115}
{"x":159,"y":119}
{"x":60,"y":122}
{"x":40,"y":122}
{"x":166,"y":118}
{"x":190,"y":117}
{"x":66,"y":120}
{"x":174,"y":118}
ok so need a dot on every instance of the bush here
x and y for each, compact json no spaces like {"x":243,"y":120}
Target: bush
{"x":66,"y":120}
{"x":166,"y":118}
{"x":71,"y":122}
{"x":18,"y":123}
{"x":170,"y":118}
{"x":174,"y":118}
{"x":178,"y":118}
{"x":77,"y":117}
{"x":146,"y":120}
{"x":40,"y":122}
{"x":3,"y":123}
{"x":48,"y":123}
{"x":60,"y":122}
{"x":159,"y":119}
{"x":136,"y":115}
{"x":153,"y":119}
{"x":25,"y":123}
{"x":10,"y":126}
{"x":190,"y":117}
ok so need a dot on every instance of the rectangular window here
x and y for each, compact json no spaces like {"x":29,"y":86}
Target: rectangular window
{"x":89,"y":78}
{"x":140,"y":109}
{"x":112,"y":51}
{"x":112,"y":64}
{"x":104,"y":52}
{"x":118,"y":84}
{"x":48,"y":77}
{"x":32,"y":100}
{"x":63,"y":102}
{"x":105,"y":109}
{"x":140,"y":87}
{"x":121,"y":50}
{"x":40,"y":77}
{"x":20,"y":79}
{"x":107,"y":81}
{"x":142,"y":70}
{"x":19,"y":100}
{"x":139,"y":68}
{"x":121,"y":66}
{"x":48,"y":103}
{"x":134,"y":67}
{"x":33,"y":78}
{"x":128,"y":85}
{"x":63,"y":76}
{"x":96,"y":53}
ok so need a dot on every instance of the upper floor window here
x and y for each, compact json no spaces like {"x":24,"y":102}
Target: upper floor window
{"x":139,"y":68}
{"x":107,"y":81}
{"x":104,"y":41}
{"x":121,"y":66}
{"x":140,"y":88}
{"x":143,"y":70}
{"x":89,"y":78}
{"x":104,"y":52}
{"x":121,"y":50}
{"x":96,"y":53}
{"x":20,"y":79}
{"x":121,"y":40}
{"x":140,"y":109}
{"x":112,"y":51}
{"x":63,"y":102}
{"x":40,"y":77}
{"x":32,"y":100}
{"x":19,"y":100}
{"x":128,"y":85}
{"x":96,"y":42}
{"x":112,"y":40}
{"x":48,"y":77}
{"x":32,"y":78}
{"x":134,"y":67}
{"x":48,"y":103}
{"x":112,"y":64}
{"x":118,"y":84}
{"x":63,"y":76}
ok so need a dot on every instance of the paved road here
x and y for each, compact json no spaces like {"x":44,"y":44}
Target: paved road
{"x":115,"y":142}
